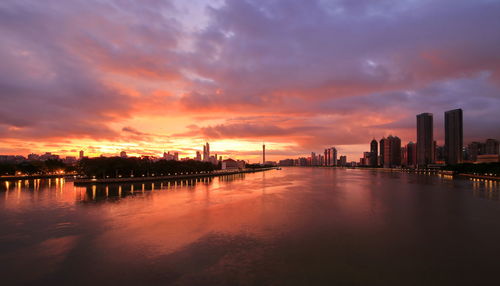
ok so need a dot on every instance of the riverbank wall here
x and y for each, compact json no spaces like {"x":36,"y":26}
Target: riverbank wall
{"x":86,"y":181}
{"x":33,"y":177}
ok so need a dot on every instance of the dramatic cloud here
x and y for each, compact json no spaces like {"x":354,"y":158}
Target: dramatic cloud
{"x":302,"y":74}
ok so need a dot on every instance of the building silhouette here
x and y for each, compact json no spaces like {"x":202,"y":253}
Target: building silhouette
{"x":343,"y":161}
{"x":392,"y":151}
{"x":453,"y":136}
{"x":411,"y":154}
{"x":425,"y":139}
{"x":492,"y":147}
{"x":382,"y":151}
{"x":206,"y":152}
{"x":330,"y":157}
{"x":373,"y":153}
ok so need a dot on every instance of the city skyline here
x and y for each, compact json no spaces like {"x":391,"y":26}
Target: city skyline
{"x":392,"y":152}
{"x":106,"y":77}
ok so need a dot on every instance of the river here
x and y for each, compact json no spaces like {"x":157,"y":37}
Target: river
{"x":296,"y":226}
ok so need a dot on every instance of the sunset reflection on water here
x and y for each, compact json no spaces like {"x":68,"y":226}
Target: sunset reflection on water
{"x":276,"y":227}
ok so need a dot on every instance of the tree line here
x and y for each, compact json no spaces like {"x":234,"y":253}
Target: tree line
{"x":34,"y":167}
{"x":114,"y":167}
{"x":469,"y":168}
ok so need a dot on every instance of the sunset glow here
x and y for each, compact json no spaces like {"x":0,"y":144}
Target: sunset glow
{"x":155,"y":76}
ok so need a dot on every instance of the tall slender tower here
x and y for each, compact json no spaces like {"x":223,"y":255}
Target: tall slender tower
{"x":383,"y":142}
{"x":425,"y":139}
{"x":453,"y":136}
{"x":373,"y":153}
{"x":263,"y":154}
{"x":334,"y":156}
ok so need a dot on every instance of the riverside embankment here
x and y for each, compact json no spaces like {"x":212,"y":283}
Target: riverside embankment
{"x":84,"y":181}
{"x":32,"y":177}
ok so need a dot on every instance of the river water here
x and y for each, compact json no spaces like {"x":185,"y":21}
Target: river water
{"x":296,"y":226}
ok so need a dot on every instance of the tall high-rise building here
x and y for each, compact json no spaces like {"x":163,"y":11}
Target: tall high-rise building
{"x":206,"y":152}
{"x":425,"y":139}
{"x":81,"y":154}
{"x":314,"y":159}
{"x":453,"y":136}
{"x":395,"y":151}
{"x":404,"y":156}
{"x":334,"y":156}
{"x":343,"y":161}
{"x":198,"y":156}
{"x":392,"y":151}
{"x":330,"y":157}
{"x":440,"y":154}
{"x":411,"y":150}
{"x":382,"y":151}
{"x":123,"y":154}
{"x":366,"y":160}
{"x":387,"y":153}
{"x":474,"y":149}
{"x":492,"y":147}
{"x":373,"y":153}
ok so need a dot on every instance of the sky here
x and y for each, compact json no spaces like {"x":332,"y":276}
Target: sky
{"x":149,"y":76}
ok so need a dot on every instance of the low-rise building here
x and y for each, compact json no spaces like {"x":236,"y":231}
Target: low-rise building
{"x":488,"y":158}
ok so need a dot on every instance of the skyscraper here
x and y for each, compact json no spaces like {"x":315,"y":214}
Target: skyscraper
{"x":404,"y":156}
{"x":343,"y":161}
{"x":330,"y":157}
{"x":373,"y":153}
{"x":206,"y":152}
{"x":334,"y":156}
{"x":327,"y":157}
{"x":475,"y":148}
{"x":392,"y":151}
{"x":382,"y":152}
{"x":492,"y":146}
{"x":81,"y":154}
{"x":314,"y":159}
{"x":411,"y":150}
{"x":425,"y":139}
{"x":453,"y":136}
{"x":395,"y":151}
